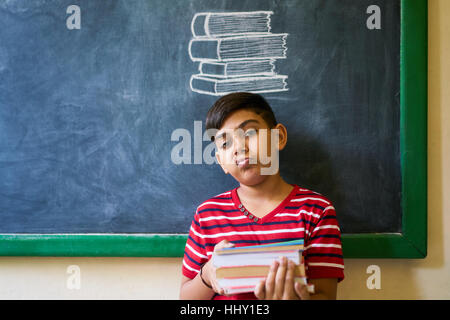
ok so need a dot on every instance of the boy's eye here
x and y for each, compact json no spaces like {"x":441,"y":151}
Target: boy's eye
{"x":250,"y":132}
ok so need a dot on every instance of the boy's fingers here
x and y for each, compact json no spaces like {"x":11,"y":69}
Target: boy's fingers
{"x":223,"y":244}
{"x":302,"y":291}
{"x":227,"y":243}
{"x":289,"y":291}
{"x":280,"y":278}
{"x":259,"y":289}
{"x":215,"y":286}
{"x":270,"y":281}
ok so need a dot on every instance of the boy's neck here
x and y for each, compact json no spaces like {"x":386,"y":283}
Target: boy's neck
{"x":273,"y":188}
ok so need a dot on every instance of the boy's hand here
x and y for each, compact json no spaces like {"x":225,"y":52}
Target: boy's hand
{"x":209,"y":271}
{"x":280,"y":284}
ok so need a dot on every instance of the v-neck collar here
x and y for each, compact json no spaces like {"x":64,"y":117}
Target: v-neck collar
{"x":268,"y":216}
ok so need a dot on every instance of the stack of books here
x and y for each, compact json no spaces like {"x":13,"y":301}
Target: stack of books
{"x":236,"y":52}
{"x":240,"y":269}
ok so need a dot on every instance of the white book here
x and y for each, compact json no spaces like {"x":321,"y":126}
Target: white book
{"x":218,"y":87}
{"x":236,"y":69}
{"x":240,"y":269}
{"x":219,"y":24}
{"x":255,"y":258}
{"x":242,"y":47}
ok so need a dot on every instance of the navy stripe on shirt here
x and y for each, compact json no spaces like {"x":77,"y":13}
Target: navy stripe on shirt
{"x":256,"y":242}
{"x":187,"y":256}
{"x":306,"y":204}
{"x":221,"y":210}
{"x":196,"y":243}
{"x":324,"y":255}
{"x":325,"y":236}
{"x":253,"y":223}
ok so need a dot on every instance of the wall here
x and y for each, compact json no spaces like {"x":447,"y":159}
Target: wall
{"x":159,"y":278}
{"x":428,"y":278}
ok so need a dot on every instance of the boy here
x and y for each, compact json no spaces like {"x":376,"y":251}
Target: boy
{"x":263,"y":209}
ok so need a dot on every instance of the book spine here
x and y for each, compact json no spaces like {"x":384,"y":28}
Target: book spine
{"x":213,"y":69}
{"x":204,"y":49}
{"x":255,"y":250}
{"x":203,"y":85}
{"x":296,"y":242}
{"x":199,"y":24}
{"x":231,"y":272}
{"x":260,"y":258}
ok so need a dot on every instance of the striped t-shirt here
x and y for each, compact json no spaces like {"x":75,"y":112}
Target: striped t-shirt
{"x":303,"y":214}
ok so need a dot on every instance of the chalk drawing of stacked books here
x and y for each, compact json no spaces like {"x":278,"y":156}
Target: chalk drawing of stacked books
{"x":236,"y":52}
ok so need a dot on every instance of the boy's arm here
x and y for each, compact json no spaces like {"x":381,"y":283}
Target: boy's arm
{"x":324,"y":256}
{"x":324,"y":289}
{"x":194,"y":289}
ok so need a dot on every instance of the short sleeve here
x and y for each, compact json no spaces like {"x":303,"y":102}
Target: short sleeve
{"x":195,"y":251}
{"x":323,"y":254}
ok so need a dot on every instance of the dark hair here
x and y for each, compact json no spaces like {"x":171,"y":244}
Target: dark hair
{"x":232,"y":102}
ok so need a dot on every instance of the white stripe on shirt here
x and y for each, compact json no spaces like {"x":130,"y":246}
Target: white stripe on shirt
{"x":325,"y":245}
{"x":325,"y":264}
{"x":195,"y":252}
{"x":218,"y":203}
{"x":222,"y":194}
{"x":222,"y":217}
{"x":189,"y":268}
{"x":306,"y":190}
{"x":298,"y":214}
{"x":310,"y":198}
{"x":326,"y":227}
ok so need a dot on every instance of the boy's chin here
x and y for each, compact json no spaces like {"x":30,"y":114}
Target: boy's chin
{"x":252,"y":179}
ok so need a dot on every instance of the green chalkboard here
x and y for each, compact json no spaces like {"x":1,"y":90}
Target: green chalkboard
{"x":91,"y":95}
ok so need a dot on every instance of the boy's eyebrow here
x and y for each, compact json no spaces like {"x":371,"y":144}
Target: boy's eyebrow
{"x":243,"y":124}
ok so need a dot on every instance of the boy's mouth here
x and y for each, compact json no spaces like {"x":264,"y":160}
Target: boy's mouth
{"x":242,"y":163}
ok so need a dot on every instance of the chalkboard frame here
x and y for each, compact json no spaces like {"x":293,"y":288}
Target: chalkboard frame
{"x":410,"y":243}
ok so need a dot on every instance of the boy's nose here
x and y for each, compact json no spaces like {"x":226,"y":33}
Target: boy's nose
{"x":240,"y":145}
{"x":240,"y":151}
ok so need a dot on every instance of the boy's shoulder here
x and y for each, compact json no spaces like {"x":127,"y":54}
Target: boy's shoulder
{"x":314,"y":200}
{"x":304,"y":193}
{"x":221,"y":200}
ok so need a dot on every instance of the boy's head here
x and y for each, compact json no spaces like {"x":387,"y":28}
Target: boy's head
{"x":232,"y":102}
{"x":247,"y":136}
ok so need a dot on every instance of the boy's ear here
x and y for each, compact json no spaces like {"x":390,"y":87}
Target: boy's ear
{"x":220,"y":163}
{"x":282,"y":136}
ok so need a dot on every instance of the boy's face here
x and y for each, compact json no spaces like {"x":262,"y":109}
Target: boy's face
{"x":247,"y":148}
